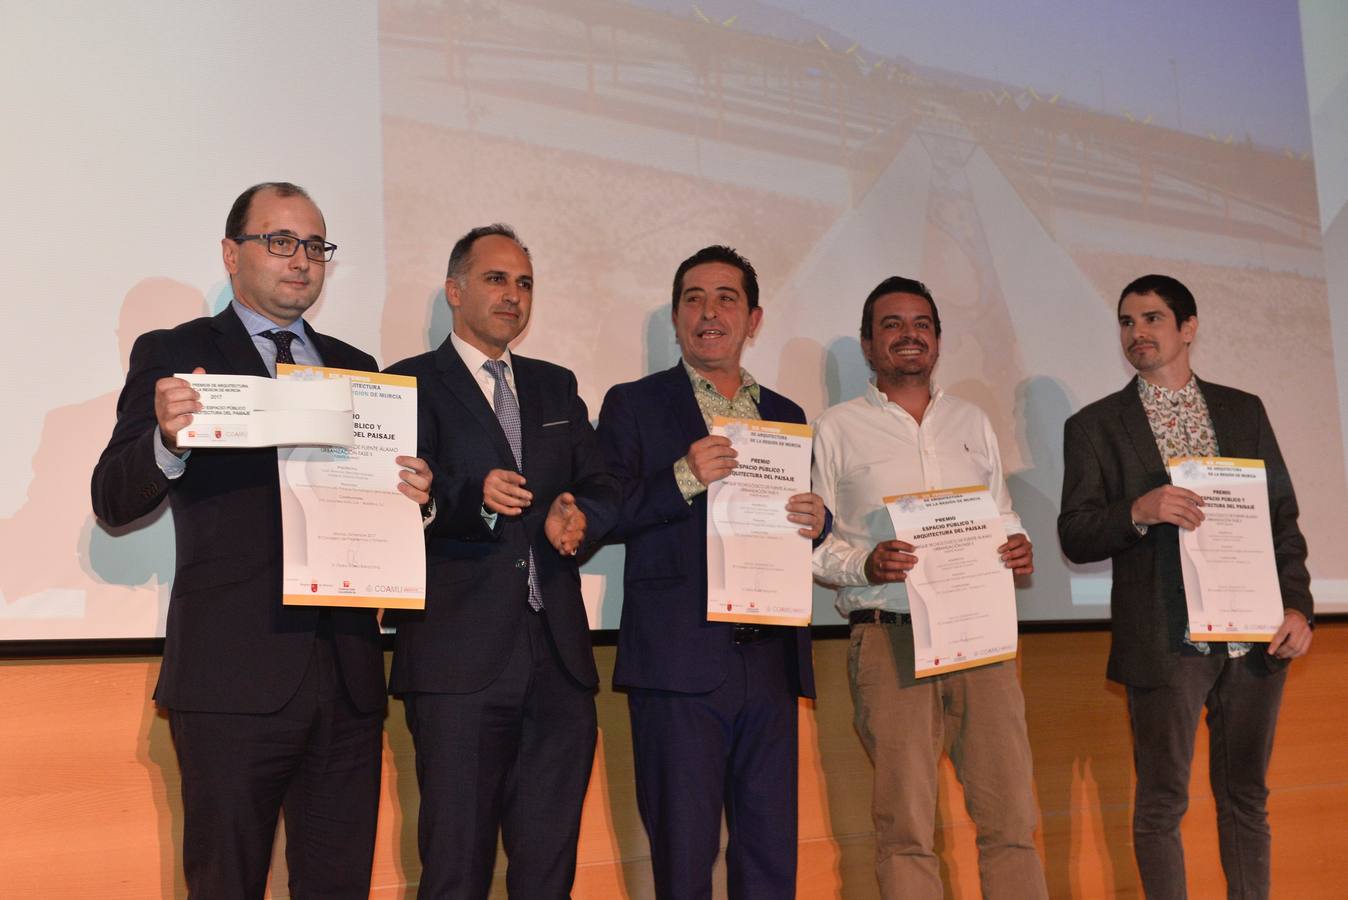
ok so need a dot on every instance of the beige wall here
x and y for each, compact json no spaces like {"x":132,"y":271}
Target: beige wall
{"x":89,"y":787}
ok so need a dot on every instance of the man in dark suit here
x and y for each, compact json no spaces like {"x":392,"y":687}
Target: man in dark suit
{"x":496,"y":674}
{"x":1118,"y":504}
{"x":713,"y":704}
{"x":270,"y":706}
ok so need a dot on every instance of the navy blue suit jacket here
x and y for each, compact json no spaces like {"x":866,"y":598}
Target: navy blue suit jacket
{"x":477,"y":576}
{"x":665,"y":641}
{"x":231,"y":645}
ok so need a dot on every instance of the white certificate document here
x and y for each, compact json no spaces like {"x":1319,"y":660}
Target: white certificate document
{"x":960,"y":595}
{"x":253,"y":411}
{"x":758,"y":564}
{"x":1230,"y":575}
{"x":350,"y":536}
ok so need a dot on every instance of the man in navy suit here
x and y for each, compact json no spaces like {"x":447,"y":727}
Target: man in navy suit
{"x":713,"y":704}
{"x":1118,"y":504}
{"x":497,"y":674}
{"x":270,"y":706}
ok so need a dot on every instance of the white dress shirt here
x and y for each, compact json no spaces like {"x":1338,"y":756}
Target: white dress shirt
{"x":871,"y":448}
{"x":475,"y":359}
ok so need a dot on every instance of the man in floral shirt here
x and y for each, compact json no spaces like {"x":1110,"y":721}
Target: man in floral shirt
{"x":1118,"y":504}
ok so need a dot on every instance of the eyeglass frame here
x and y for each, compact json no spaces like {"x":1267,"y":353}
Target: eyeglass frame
{"x":267,"y":237}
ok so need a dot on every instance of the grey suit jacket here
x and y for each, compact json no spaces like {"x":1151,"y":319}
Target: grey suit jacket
{"x":1111,"y":460}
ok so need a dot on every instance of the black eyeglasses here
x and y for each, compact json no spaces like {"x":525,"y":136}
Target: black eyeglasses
{"x":287,"y":244}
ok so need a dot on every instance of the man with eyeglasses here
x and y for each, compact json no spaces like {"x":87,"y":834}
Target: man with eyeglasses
{"x":271,"y":707}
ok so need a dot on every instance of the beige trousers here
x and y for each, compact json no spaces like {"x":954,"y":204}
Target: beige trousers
{"x":977,"y":716}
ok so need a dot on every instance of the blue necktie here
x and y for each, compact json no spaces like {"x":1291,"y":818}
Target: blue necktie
{"x":508,"y":414}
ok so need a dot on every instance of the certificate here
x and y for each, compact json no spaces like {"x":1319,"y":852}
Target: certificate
{"x":758,"y":564}
{"x":1230,"y":576}
{"x":960,"y":595}
{"x":253,"y":411}
{"x":350,"y":537}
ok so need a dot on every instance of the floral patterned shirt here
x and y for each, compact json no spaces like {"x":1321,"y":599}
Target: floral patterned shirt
{"x":744,"y":405}
{"x":1182,"y":426}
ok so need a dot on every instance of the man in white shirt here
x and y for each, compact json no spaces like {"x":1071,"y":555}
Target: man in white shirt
{"x":906,"y":435}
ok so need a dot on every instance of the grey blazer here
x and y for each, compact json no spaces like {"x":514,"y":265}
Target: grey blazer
{"x":1110,"y":460}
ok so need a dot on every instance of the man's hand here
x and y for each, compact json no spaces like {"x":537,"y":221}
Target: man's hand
{"x":1170,"y":504}
{"x":415,"y":479}
{"x":1018,"y":555}
{"x":565,"y":524}
{"x":890,"y":561}
{"x":807,"y":511}
{"x":174,"y":403}
{"x":1293,"y":638}
{"x":711,"y":458}
{"x":503,"y":492}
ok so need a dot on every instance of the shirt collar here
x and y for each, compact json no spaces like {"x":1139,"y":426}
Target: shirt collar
{"x":255,"y":323}
{"x":747,"y":382}
{"x":1154,"y":393}
{"x":876,"y":397}
{"x":473,"y":358}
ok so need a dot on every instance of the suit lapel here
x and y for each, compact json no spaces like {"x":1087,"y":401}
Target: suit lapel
{"x":683,"y":404}
{"x":1134,"y":418}
{"x":331,"y":352}
{"x":529,"y":393}
{"x":234,"y":344}
{"x":464,"y":387}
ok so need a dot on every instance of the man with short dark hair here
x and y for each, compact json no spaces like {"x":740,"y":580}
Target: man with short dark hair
{"x":270,"y":706}
{"x":713,"y":704}
{"x":1118,"y":504}
{"x":496,"y":674}
{"x":906,"y":435}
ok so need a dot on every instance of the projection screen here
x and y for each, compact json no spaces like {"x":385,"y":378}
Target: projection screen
{"x":1024,"y":160}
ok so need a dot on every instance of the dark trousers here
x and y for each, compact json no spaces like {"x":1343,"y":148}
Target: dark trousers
{"x":317,"y":757}
{"x":515,"y":757}
{"x":1242,"y":699}
{"x":733,"y":749}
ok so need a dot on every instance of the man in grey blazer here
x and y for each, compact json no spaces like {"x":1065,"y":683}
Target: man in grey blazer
{"x":1118,"y":504}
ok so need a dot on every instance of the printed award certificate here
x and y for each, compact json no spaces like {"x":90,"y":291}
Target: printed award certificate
{"x":758,"y":565}
{"x":961,"y":596}
{"x":253,"y":411}
{"x":350,"y":536}
{"x":1230,"y":575}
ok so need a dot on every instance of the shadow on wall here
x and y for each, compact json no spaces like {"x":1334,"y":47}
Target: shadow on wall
{"x":52,"y":550}
{"x":846,"y":372}
{"x":662,"y":350}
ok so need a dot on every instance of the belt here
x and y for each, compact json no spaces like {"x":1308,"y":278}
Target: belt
{"x":749,"y":634}
{"x":878,"y":617}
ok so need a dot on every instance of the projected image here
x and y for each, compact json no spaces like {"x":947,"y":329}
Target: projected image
{"x":1024,"y":160}
{"x":1025,"y":163}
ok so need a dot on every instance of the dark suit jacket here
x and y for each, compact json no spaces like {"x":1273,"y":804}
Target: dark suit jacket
{"x":1111,"y":460}
{"x":665,"y":641}
{"x":231,"y":645}
{"x":477,"y":577}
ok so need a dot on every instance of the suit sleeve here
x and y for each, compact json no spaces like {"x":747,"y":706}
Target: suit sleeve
{"x":1289,"y":545}
{"x":127,"y":482}
{"x":458,"y":497}
{"x":647,"y":500}
{"x":1091,"y":527}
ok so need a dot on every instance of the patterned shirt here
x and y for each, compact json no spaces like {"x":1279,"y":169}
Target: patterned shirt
{"x":712,"y":403}
{"x":1182,"y":426}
